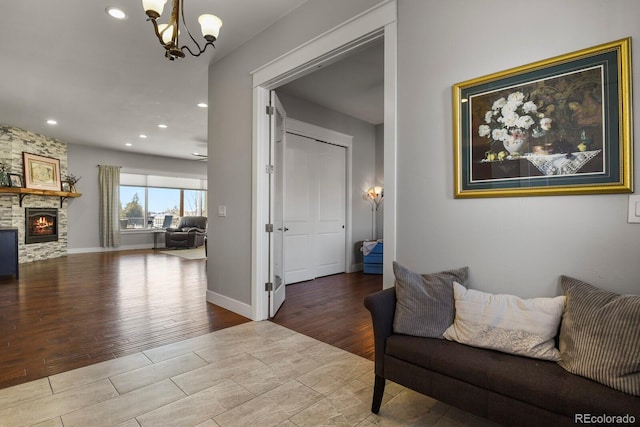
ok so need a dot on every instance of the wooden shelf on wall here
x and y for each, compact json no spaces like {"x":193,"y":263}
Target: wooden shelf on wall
{"x":23,"y":192}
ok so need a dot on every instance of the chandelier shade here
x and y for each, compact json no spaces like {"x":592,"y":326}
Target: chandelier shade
{"x":155,"y":7}
{"x":210,"y":25}
{"x":169,"y":34}
{"x":166,"y":32}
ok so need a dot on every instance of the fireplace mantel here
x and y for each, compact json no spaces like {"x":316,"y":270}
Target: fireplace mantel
{"x":23,"y":192}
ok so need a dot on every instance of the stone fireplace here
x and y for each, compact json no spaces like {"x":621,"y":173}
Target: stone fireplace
{"x":41,"y":225}
{"x":51,"y":241}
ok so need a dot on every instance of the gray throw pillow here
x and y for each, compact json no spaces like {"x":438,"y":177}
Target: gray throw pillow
{"x":600,"y":335}
{"x":424,"y":303}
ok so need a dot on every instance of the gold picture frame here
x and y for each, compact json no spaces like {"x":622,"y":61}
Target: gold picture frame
{"x":554,"y":127}
{"x":40,"y":172}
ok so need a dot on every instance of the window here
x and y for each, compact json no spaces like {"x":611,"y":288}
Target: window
{"x":132,"y":207}
{"x":145,"y":200}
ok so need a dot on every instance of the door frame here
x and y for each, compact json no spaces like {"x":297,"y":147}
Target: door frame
{"x":373,"y":24}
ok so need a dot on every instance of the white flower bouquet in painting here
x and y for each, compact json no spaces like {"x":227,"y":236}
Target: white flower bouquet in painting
{"x":511,"y":121}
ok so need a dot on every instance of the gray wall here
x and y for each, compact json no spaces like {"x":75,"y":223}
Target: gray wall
{"x":363,"y":158}
{"x":517,"y":245}
{"x":83,"y":211}
{"x":230,"y":137}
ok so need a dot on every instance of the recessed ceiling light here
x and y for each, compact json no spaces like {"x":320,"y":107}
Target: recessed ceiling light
{"x":128,"y":144}
{"x":142,"y":135}
{"x":52,"y":122}
{"x":116,"y":12}
{"x":162,"y":126}
{"x":202,"y":105}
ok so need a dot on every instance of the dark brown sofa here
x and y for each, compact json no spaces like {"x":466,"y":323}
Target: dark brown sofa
{"x":510,"y":390}
{"x":189,"y":233}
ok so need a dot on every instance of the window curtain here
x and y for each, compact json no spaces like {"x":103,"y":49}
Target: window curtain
{"x":109,"y":181}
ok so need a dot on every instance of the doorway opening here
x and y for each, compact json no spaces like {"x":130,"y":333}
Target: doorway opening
{"x":375,"y":24}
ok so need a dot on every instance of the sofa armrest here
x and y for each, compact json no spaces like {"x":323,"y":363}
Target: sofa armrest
{"x":382,"y":306}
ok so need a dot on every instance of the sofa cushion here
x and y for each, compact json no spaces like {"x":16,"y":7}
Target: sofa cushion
{"x":600,"y":335}
{"x":507,"y":323}
{"x":538,"y":382}
{"x":424,"y":303}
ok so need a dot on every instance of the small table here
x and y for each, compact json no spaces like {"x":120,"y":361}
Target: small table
{"x":155,"y":237}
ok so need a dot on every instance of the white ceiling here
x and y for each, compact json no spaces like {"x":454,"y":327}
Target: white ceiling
{"x":107,"y":81}
{"x":353,"y":86}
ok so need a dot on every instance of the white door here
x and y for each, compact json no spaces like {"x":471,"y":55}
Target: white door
{"x":277,"y":140}
{"x":300,"y":205}
{"x":314,"y":194}
{"x":330,"y":232}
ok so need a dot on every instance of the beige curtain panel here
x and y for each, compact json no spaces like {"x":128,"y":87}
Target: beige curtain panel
{"x":109,"y":181}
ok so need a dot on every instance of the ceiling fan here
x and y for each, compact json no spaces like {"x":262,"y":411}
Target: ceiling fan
{"x":200,"y":157}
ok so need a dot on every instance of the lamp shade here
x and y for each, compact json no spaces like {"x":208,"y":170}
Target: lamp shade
{"x":167,"y":35}
{"x":156,"y":6}
{"x":210,"y":25}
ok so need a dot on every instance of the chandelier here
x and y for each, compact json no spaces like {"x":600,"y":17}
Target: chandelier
{"x":168,"y":34}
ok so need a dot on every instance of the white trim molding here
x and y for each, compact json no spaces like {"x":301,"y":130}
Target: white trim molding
{"x":230,"y":304}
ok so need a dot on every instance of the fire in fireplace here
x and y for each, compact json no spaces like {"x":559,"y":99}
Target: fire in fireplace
{"x":41,"y":225}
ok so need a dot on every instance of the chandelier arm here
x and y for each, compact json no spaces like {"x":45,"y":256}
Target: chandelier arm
{"x":201,"y":51}
{"x":189,"y":32}
{"x":158,"y":33}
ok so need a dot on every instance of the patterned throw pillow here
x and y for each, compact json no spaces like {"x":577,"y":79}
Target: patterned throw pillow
{"x":506,"y":323}
{"x":424,"y":303}
{"x":600,"y":336}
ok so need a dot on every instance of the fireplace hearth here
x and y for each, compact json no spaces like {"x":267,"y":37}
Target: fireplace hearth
{"x":41,"y":225}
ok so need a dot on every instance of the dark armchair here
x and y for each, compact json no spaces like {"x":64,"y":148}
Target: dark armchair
{"x":189,"y":233}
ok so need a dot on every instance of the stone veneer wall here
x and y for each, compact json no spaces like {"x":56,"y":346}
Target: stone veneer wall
{"x":13,"y":142}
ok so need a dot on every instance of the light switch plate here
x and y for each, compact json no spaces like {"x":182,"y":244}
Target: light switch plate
{"x":222,"y":210}
{"x":634,"y":209}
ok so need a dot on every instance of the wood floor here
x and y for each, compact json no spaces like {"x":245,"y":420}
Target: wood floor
{"x":82,"y":309}
{"x":330,"y":309}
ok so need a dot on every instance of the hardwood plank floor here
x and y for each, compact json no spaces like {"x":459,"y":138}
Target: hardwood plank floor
{"x":81,"y":309}
{"x":331,"y":309}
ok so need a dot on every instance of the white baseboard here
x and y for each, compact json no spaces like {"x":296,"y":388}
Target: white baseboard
{"x":230,"y":304}
{"x":119,"y":248}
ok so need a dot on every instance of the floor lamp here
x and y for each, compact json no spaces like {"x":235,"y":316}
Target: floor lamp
{"x":376,"y":195}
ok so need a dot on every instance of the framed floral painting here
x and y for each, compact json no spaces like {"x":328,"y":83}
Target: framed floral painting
{"x":557,"y":126}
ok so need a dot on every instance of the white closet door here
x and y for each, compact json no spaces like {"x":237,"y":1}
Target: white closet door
{"x":299,"y":209}
{"x":330,"y":233}
{"x":314,"y":210}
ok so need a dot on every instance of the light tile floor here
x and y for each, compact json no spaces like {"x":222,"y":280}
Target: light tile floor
{"x":255,"y":374}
